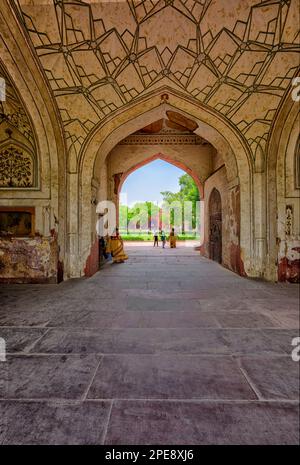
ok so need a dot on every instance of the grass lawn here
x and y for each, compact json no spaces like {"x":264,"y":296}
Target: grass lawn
{"x":149,"y":237}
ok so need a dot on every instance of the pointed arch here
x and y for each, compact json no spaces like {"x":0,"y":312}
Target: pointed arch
{"x":211,"y":126}
{"x":166,"y":158}
{"x":46,"y":141}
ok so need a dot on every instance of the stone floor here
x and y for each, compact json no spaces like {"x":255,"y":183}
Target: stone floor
{"x":168,"y":348}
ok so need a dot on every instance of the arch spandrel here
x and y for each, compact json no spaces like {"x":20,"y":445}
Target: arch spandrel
{"x":215,"y":129}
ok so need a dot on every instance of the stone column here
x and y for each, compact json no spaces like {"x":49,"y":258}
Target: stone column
{"x":73,"y":265}
{"x":259,"y":200}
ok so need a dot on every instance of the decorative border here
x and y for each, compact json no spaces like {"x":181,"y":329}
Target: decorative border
{"x":164,"y":139}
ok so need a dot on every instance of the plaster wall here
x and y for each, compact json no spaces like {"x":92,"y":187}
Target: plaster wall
{"x":30,"y":260}
{"x":230,"y":197}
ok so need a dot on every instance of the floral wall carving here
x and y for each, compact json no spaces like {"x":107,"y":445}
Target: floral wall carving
{"x":16,"y":167}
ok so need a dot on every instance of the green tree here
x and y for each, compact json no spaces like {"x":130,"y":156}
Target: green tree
{"x":145,"y":215}
{"x":142,"y":215}
{"x":188,"y":192}
{"x":123,"y":217}
{"x":188,"y":188}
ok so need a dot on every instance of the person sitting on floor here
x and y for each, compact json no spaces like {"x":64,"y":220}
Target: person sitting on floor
{"x":116,"y":248}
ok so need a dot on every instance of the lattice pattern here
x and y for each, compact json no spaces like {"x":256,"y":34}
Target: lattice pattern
{"x":16,"y":168}
{"x":236,"y":57}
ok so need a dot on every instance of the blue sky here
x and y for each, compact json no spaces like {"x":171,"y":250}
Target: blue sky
{"x":146,"y":183}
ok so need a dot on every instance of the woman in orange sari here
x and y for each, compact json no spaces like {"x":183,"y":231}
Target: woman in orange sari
{"x":172,"y":239}
{"x":115,"y":247}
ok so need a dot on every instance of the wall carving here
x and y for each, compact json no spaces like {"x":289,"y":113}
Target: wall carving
{"x":165,"y":139}
{"x":16,"y":167}
{"x":12,"y":111}
{"x":99,"y":56}
{"x":289,"y":220}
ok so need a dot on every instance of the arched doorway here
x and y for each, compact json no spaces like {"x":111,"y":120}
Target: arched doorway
{"x":159,"y":193}
{"x":93,"y":163}
{"x":164,"y":158}
{"x":215,"y":226}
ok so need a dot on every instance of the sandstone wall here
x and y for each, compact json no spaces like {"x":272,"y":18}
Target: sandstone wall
{"x":29,"y":260}
{"x":231,"y":251}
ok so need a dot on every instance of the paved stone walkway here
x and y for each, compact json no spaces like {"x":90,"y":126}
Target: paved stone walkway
{"x":167,"y":348}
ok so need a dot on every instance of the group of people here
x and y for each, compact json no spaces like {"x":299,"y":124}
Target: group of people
{"x":112,"y":246}
{"x":164,"y":239}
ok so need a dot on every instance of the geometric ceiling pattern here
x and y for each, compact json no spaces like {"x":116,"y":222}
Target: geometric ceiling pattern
{"x":237,"y":57}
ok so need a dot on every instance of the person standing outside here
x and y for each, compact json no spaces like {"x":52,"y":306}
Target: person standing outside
{"x":172,"y":239}
{"x":155,"y":239}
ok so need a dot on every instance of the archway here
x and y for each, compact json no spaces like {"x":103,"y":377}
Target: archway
{"x":167,"y":159}
{"x":215,"y":226}
{"x":31,"y":130}
{"x":283,"y":251}
{"x":163,"y":193}
{"x":211,"y":127}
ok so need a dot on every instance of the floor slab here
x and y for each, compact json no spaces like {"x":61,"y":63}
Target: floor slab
{"x":151,"y":303}
{"x":169,"y":376}
{"x":21,"y":339}
{"x":273,"y":377}
{"x":167,"y":348}
{"x":251,"y":341}
{"x":46,"y":377}
{"x":134,"y":340}
{"x":53,"y":423}
{"x":203,"y":423}
{"x":249,"y":320}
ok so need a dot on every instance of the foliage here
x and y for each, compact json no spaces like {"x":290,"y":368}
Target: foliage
{"x":149,"y":237}
{"x":188,"y":193}
{"x":143,"y":216}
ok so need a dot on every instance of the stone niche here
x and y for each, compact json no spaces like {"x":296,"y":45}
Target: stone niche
{"x":25,"y":257}
{"x":16,"y":222}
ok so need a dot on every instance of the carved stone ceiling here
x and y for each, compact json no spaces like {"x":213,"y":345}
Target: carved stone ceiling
{"x":236,"y":56}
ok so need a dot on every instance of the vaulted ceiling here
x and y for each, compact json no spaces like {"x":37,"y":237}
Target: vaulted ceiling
{"x":235,"y":56}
